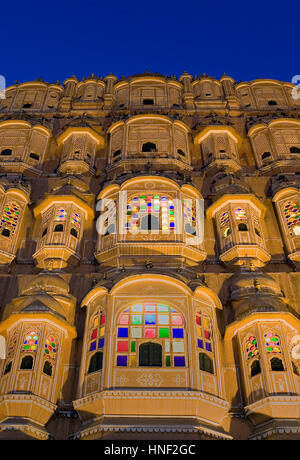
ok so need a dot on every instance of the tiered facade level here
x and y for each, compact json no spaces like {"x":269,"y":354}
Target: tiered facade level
{"x":117,"y":324}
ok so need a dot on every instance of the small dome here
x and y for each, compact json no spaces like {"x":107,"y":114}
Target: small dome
{"x":252,"y":281}
{"x":52,"y":283}
{"x":259,"y":303}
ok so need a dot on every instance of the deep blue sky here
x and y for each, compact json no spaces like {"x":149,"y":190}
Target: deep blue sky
{"x":56,"y":39}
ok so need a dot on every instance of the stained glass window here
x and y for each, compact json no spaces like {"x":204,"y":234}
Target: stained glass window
{"x":224,"y":219}
{"x":76,"y":220}
{"x":51,"y":347}
{"x":61,"y":215}
{"x":31,"y":340}
{"x":292,"y":216}
{"x":204,"y":332}
{"x":96,"y":333}
{"x":9,"y":217}
{"x":251,"y":346}
{"x":159,"y":208}
{"x":240,"y":214}
{"x":150,"y":320}
{"x":272,"y":343}
{"x":12,"y":344}
{"x":189,"y":213}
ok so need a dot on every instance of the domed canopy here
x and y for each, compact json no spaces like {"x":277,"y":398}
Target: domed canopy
{"x":51,"y":283}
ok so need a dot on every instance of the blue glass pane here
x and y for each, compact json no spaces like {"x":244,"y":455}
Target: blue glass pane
{"x":200,"y":343}
{"x":149,"y":319}
{"x":179,"y":361}
{"x":177,"y":333}
{"x":121,"y":360}
{"x":101,"y":343}
{"x":208,"y":346}
{"x":93,"y":346}
{"x":123,"y":332}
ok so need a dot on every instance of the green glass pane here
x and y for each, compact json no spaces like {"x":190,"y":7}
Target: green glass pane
{"x":168,"y":361}
{"x":132,"y":346}
{"x":164,"y":332}
{"x":26,"y":347}
{"x":274,"y":339}
{"x":269,"y":349}
{"x":136,"y":319}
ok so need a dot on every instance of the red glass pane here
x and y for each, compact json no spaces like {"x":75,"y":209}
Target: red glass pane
{"x":94,"y":334}
{"x":123,"y":346}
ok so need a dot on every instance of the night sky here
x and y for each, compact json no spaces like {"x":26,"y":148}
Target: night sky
{"x":54,"y":40}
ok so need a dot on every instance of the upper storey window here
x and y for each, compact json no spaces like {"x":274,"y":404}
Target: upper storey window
{"x":148,"y":212}
{"x":9,"y":219}
{"x":61,"y":215}
{"x":292,"y":216}
{"x":31,"y":340}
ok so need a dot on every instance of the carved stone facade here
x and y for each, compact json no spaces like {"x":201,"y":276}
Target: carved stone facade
{"x":119,"y":320}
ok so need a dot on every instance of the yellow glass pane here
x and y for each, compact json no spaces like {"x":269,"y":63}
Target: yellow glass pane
{"x":199,"y":331}
{"x":132,"y":360}
{"x":96,"y":321}
{"x":205,"y":323}
{"x":101,"y":331}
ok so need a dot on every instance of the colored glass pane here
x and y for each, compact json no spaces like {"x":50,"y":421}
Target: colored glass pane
{"x":150,"y":332}
{"x":123,"y":345}
{"x":292,"y":216}
{"x":164,"y":332}
{"x":179,"y":361}
{"x":31,"y":341}
{"x":224,"y":219}
{"x":121,"y":360}
{"x":123,"y":332}
{"x":100,"y":343}
{"x":9,"y":217}
{"x":154,"y":205}
{"x":240,"y":214}
{"x":272,"y":343}
{"x":251,"y":346}
{"x":61,"y":215}
{"x":177,"y":333}
{"x":168,"y":361}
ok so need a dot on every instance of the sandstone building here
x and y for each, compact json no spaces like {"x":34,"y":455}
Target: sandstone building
{"x":136,"y":331}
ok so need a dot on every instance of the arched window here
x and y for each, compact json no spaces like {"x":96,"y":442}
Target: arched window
{"x":295,"y":368}
{"x":156,"y":321}
{"x":73,"y":232}
{"x":96,"y":332}
{"x":47,"y":369}
{"x":189,"y":214}
{"x":255,"y":368}
{"x":5,"y":232}
{"x":292,"y":217}
{"x":160,"y":207}
{"x":9,"y":218}
{"x":7,"y":368}
{"x":272,"y":102}
{"x":294,"y":149}
{"x":265,"y":155}
{"x":243,"y":228}
{"x":59,"y":228}
{"x":31,"y":340}
{"x":6,"y":152}
{"x":276,"y":364}
{"x":227,"y":232}
{"x":149,"y":147}
{"x":206,"y":363}
{"x":27,"y":362}
{"x":150,"y":354}
{"x":96,"y":362}
{"x":51,"y":347}
{"x":204,"y":332}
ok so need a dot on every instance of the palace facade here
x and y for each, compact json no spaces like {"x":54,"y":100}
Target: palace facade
{"x":118,"y":322}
